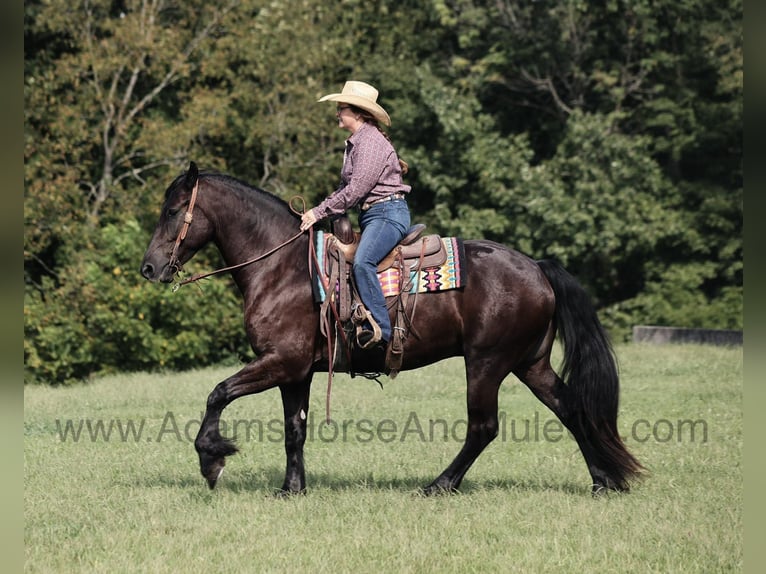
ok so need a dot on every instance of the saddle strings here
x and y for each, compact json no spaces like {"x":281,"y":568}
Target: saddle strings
{"x":315,"y":264}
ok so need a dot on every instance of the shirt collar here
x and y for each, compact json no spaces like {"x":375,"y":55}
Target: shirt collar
{"x":356,"y":135}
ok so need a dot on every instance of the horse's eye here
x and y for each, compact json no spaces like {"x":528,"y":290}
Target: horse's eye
{"x":173,"y":211}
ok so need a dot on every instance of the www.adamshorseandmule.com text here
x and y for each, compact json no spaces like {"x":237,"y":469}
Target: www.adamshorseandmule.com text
{"x":366,"y":430}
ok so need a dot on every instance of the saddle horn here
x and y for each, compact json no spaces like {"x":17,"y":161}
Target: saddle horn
{"x":342,"y":229}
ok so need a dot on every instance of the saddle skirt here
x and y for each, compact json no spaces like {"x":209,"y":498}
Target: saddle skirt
{"x":426,"y":264}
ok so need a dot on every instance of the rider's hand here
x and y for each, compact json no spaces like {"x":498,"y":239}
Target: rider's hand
{"x":308,"y":219}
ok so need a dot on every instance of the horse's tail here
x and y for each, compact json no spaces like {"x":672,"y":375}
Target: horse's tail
{"x":589,"y":370}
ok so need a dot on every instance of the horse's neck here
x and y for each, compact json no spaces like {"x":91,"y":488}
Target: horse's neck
{"x":249,"y":228}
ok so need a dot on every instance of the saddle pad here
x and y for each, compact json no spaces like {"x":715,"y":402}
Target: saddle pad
{"x":449,"y":275}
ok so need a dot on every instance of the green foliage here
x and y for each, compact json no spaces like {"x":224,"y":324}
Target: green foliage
{"x":601,"y":206}
{"x":105,"y":317}
{"x":607,"y":135}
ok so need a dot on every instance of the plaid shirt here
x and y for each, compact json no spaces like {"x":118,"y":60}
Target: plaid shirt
{"x":370,"y":171}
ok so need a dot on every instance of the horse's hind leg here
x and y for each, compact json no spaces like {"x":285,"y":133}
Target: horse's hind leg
{"x":482,"y":427}
{"x":547,"y":386}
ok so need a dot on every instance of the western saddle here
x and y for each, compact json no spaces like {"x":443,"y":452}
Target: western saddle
{"x":413,"y":253}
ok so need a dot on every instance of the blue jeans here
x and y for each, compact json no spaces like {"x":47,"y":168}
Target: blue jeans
{"x":383,"y":226}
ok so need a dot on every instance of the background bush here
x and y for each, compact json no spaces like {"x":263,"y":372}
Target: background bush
{"x":106,"y":318}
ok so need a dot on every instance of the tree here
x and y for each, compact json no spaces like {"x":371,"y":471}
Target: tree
{"x":100,"y":111}
{"x":657,"y":88}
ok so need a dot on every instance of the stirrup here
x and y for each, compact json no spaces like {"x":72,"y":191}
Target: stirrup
{"x":368,"y":336}
{"x":361,"y":314}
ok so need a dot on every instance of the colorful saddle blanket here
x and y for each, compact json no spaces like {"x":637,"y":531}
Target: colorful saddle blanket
{"x":447,"y":275}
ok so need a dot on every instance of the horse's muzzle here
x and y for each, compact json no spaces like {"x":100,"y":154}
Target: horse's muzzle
{"x":155,"y":273}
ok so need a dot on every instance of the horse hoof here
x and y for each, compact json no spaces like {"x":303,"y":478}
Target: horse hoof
{"x":435,"y":489}
{"x":600,"y":489}
{"x":283,"y":493}
{"x":212,"y":483}
{"x":213,"y":471}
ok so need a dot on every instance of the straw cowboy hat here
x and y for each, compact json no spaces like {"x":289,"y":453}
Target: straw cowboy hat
{"x":362,"y":96}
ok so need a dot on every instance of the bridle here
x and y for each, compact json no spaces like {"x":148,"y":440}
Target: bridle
{"x":173,"y":263}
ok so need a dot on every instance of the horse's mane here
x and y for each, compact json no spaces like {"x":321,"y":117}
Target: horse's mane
{"x":233,"y":183}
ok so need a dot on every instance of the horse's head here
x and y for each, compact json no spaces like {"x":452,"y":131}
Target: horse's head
{"x":175,"y":242}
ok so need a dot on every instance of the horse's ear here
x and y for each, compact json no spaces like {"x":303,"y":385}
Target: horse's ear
{"x":191,"y":175}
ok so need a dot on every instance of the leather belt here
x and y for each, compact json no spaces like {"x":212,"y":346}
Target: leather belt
{"x":368,"y":204}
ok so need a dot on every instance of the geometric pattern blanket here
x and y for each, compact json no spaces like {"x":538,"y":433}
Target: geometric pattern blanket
{"x":450,"y":275}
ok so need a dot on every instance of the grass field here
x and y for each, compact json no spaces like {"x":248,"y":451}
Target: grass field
{"x":131,"y":499}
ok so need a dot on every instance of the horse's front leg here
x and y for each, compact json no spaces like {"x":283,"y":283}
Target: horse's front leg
{"x":264,"y":373}
{"x":295,"y":402}
{"x":211,"y":447}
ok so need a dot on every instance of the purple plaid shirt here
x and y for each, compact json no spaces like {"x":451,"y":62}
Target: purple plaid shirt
{"x":370,"y":171}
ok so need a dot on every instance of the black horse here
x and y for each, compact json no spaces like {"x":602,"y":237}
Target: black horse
{"x":503,"y":321}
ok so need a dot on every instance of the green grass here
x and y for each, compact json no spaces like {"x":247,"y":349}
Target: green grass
{"x":140,"y":505}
